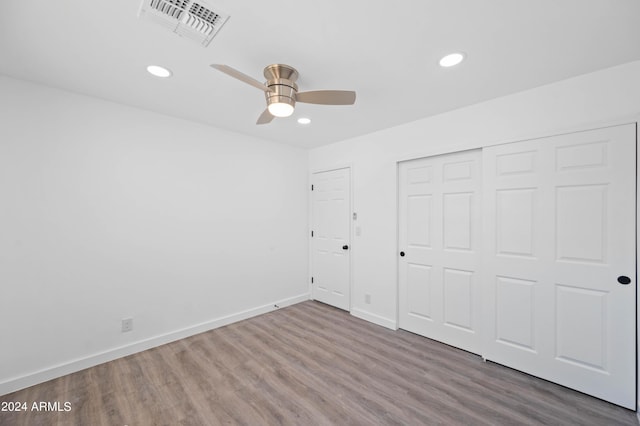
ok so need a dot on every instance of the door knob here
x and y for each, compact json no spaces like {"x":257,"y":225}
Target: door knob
{"x":345,"y":247}
{"x":624,"y":279}
{"x":402,"y":254}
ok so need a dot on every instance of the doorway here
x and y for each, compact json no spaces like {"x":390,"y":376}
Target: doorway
{"x":331,"y":237}
{"x":541,"y":277}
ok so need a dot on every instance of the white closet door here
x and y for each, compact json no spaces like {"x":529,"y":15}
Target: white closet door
{"x":330,"y":242}
{"x":439,"y":242}
{"x":559,"y":217}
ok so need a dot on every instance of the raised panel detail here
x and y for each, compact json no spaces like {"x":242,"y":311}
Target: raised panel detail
{"x":322,"y":219}
{"x":515,"y":210}
{"x":419,"y":175}
{"x":338,"y":183}
{"x":581,"y":223}
{"x":419,"y":220}
{"x":457,"y":171}
{"x":515,"y":164}
{"x":581,"y":333}
{"x":457,"y":298}
{"x":419,"y":290}
{"x":338,"y":227}
{"x":583,"y":156}
{"x":457,"y":216}
{"x":515,"y":310}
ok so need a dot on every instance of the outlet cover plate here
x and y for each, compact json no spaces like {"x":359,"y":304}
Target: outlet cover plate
{"x":127,"y":325}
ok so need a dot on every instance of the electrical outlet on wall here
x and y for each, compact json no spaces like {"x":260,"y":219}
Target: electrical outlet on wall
{"x":127,"y":325}
{"x":367,"y":299}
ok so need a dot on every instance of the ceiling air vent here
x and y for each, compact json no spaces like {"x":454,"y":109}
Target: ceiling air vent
{"x":195,"y":20}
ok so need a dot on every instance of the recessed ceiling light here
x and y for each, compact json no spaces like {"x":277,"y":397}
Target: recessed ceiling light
{"x":304,"y":120}
{"x":159,"y":71}
{"x":452,"y":59}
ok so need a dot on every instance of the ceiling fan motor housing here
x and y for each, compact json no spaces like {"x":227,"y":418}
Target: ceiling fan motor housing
{"x":281,"y":80}
{"x":283,"y":91}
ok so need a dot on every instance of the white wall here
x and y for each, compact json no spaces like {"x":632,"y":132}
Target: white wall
{"x":108,"y":211}
{"x":581,"y":102}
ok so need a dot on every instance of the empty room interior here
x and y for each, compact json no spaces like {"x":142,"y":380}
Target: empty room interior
{"x":299,"y":212}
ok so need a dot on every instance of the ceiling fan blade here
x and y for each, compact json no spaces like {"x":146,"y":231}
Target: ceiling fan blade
{"x":327,"y":97}
{"x":265,"y":117}
{"x":240,"y":76}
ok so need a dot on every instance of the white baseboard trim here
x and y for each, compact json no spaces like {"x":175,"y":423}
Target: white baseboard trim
{"x":75,"y":365}
{"x":374,"y":318}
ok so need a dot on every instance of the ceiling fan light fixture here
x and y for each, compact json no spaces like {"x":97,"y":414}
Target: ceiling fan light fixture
{"x":280,"y":109}
{"x":452,"y":59}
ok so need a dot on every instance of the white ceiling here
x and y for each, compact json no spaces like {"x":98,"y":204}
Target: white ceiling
{"x":386,"y":51}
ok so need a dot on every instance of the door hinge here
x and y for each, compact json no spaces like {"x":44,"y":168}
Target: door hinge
{"x":311,"y":280}
{"x":312,"y":233}
{"x":312,"y":187}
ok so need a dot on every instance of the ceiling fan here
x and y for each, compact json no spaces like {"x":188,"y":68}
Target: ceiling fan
{"x":281,"y":91}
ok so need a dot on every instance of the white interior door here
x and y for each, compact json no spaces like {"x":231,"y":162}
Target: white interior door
{"x":330,"y":239}
{"x":439,"y":242}
{"x":560,"y":230}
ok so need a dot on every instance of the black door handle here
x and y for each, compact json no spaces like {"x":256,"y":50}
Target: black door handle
{"x":624,"y":280}
{"x":402,"y":254}
{"x":345,"y":247}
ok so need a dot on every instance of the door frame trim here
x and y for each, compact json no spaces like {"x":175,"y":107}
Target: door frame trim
{"x":637,"y":123}
{"x":464,"y":145}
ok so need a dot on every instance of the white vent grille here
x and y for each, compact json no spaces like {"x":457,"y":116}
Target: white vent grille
{"x":195,"y":20}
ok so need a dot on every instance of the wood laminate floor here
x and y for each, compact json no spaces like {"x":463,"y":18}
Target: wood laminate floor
{"x":308,"y":364}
